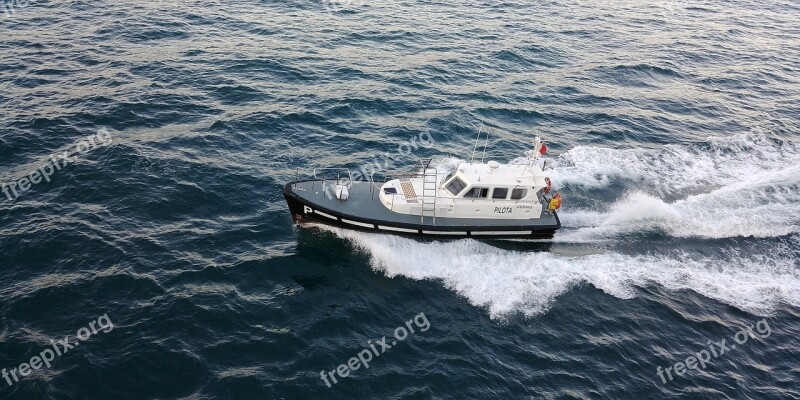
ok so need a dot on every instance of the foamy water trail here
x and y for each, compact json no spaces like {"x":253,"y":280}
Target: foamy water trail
{"x":508,"y":282}
{"x":764,"y":205}
{"x":678,"y":170}
{"x":742,"y":186}
{"x":739,"y":187}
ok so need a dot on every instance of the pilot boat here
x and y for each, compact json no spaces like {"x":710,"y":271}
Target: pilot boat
{"x":479,"y":200}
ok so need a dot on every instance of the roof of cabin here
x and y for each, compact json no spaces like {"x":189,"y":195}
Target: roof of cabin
{"x":503,"y":175}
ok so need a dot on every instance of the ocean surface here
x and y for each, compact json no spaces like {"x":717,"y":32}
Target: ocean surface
{"x":147,"y":251}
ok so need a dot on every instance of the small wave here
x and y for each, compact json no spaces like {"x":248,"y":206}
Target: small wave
{"x":519,"y":61}
{"x":647,"y":70}
{"x":641,"y":75}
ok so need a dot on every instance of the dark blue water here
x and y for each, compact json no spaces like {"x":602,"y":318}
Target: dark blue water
{"x":158,"y":232}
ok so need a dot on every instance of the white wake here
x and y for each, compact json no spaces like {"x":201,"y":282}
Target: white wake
{"x":743,"y":186}
{"x":508,"y":282}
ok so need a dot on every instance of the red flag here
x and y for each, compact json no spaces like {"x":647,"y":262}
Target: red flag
{"x":543,"y":149}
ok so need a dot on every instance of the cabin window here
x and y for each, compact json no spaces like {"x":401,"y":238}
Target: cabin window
{"x":456,"y":186}
{"x":499,"y":193}
{"x":517,"y":194}
{"x":477,"y":193}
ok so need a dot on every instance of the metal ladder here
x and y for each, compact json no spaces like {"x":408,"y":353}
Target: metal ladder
{"x":429,"y":192}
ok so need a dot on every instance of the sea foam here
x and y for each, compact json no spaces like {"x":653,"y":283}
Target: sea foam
{"x":743,"y":186}
{"x":507,"y":282}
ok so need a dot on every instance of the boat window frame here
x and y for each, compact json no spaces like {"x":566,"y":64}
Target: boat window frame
{"x":505,"y":196}
{"x":484,"y":192}
{"x":463,"y":186}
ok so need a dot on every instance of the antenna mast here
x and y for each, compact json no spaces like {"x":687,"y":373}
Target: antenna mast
{"x":476,"y":144}
{"x":484,"y":146}
{"x":475,"y":148}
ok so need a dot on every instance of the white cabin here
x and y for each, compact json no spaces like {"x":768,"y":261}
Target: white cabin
{"x":471,"y":190}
